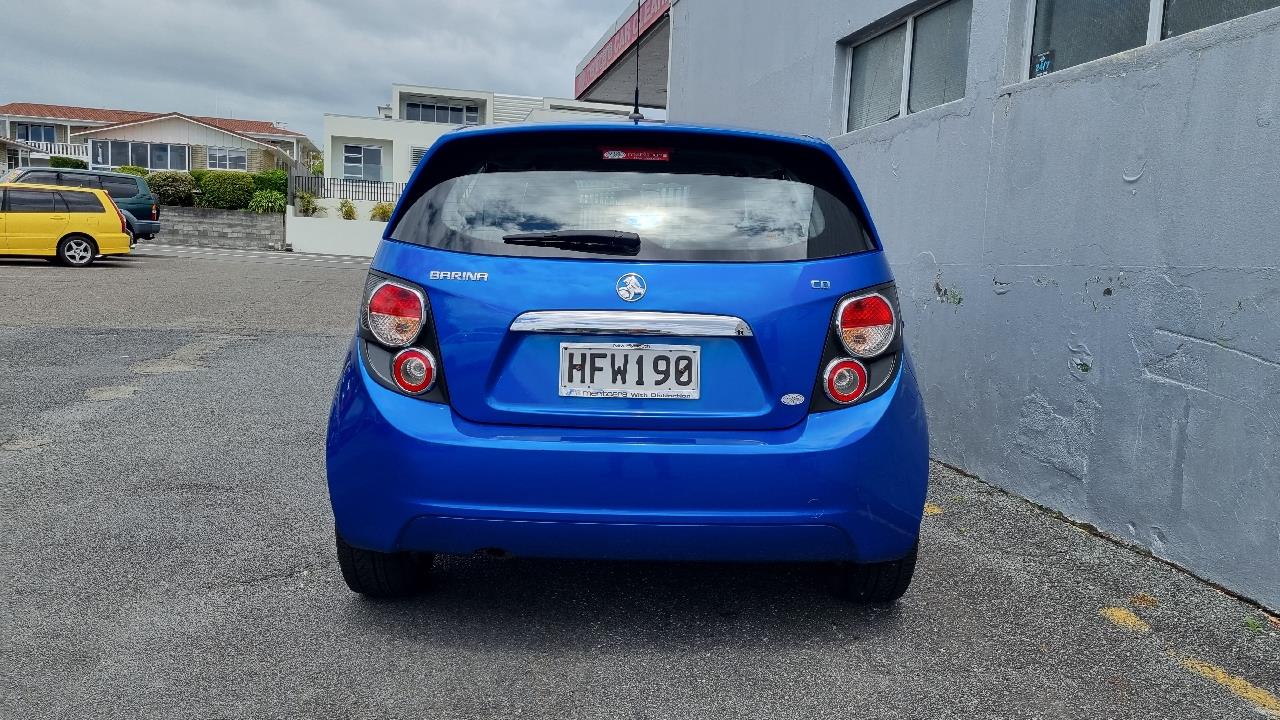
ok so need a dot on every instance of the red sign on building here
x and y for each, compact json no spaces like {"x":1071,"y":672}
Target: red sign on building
{"x":622,"y":41}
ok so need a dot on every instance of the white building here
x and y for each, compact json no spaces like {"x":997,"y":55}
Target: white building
{"x":388,"y":146}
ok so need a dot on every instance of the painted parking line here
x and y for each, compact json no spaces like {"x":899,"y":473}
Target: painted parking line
{"x":1264,"y":701}
{"x":229,"y":252}
{"x":191,"y":248}
{"x":250,"y":256}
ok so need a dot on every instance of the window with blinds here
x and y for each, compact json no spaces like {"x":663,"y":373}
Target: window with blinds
{"x":875,"y":79}
{"x":415,"y":155}
{"x":940,"y":55}
{"x":921,"y":63}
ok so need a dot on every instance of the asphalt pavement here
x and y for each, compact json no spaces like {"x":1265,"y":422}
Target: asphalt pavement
{"x":166,"y":542}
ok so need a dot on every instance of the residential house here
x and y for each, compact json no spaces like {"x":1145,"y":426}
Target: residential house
{"x":20,"y":154}
{"x":157,"y":141}
{"x":388,"y":146}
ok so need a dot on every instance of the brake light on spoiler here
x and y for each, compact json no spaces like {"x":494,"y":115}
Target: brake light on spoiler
{"x":642,"y":154}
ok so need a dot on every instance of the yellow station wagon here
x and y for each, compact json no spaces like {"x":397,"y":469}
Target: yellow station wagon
{"x":71,"y":225}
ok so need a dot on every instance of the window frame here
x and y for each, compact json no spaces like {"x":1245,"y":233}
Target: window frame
{"x":111,"y":147}
{"x":27,"y":126}
{"x":1155,"y":34}
{"x":225,"y":153}
{"x":468,"y":109}
{"x":381,"y":157}
{"x":904,"y":94}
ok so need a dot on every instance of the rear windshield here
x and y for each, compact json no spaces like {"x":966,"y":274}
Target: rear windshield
{"x":648,"y":196}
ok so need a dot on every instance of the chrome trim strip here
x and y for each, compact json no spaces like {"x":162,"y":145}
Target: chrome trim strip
{"x":622,"y":322}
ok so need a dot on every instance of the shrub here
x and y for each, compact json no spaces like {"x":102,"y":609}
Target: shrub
{"x":197,"y":173}
{"x":306,"y":206}
{"x":268,"y":201}
{"x":173,"y":187}
{"x":381,"y":212}
{"x":60,"y":161}
{"x":277,"y":180}
{"x":226,"y":189}
{"x":133,"y":170}
{"x":316,"y":165}
{"x":347,"y":209}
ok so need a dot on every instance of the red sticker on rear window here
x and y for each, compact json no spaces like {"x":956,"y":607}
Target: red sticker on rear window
{"x":649,"y":154}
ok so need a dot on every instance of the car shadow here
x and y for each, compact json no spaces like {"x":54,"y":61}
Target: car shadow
{"x":102,"y":262}
{"x":594,"y":605}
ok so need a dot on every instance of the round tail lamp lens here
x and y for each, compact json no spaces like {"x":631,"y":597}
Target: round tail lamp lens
{"x":395,"y":314}
{"x":414,"y":371}
{"x":866,"y":325}
{"x":845,"y":380}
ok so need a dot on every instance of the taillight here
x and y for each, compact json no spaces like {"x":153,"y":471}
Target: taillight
{"x":394,"y":314}
{"x":124,"y":225}
{"x":414,"y":370}
{"x":862,"y":351}
{"x":866,"y":325}
{"x":845,"y":380}
{"x":155,"y":212}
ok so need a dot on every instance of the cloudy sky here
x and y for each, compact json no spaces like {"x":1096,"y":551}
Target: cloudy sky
{"x":289,"y":60}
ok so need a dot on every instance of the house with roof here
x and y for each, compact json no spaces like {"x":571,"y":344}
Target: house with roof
{"x":107,"y":139}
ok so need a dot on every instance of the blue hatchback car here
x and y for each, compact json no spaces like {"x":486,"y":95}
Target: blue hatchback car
{"x":642,"y":342}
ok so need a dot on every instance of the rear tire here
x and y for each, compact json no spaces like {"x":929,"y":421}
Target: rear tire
{"x":383,"y":575}
{"x":76,"y":251}
{"x":882,"y":582}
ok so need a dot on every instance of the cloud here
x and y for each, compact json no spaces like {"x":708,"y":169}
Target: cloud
{"x":290,"y":60}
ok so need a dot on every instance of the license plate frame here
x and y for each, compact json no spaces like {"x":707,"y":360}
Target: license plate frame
{"x":637,"y":385}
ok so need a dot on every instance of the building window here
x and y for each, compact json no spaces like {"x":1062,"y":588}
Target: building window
{"x":1071,"y":32}
{"x":1183,"y":16}
{"x":362,"y":162}
{"x":453,"y":114}
{"x":922,"y":63}
{"x":224,"y":158}
{"x":107,"y":154}
{"x":34,"y":133}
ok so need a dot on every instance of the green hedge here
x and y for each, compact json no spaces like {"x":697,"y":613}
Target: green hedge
{"x":382,"y":212}
{"x":276,"y":180}
{"x":60,"y":161}
{"x":173,"y":187}
{"x":226,"y":189}
{"x":268,"y":201}
{"x":133,"y":170}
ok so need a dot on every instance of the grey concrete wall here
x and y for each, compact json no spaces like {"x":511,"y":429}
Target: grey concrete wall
{"x":209,"y":227}
{"x":1088,"y":260}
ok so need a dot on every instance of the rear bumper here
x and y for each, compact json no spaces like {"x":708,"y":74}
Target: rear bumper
{"x":410,"y":475}
{"x":146,"y":228}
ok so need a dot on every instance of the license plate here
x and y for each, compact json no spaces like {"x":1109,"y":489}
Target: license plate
{"x":629,"y":370}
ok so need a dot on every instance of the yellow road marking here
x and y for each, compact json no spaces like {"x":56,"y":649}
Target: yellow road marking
{"x":1242,"y":688}
{"x":932,"y":509}
{"x":1143,"y":600}
{"x":1125,"y":618}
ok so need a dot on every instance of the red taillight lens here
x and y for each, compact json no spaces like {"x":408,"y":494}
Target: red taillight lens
{"x":414,"y":370}
{"x":155,"y":213}
{"x":845,"y":380}
{"x":394,"y":314}
{"x":865,"y":325}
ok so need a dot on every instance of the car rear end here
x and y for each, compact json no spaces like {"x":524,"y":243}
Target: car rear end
{"x":630,"y":342}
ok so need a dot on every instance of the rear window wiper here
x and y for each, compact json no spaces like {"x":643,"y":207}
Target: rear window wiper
{"x":604,"y":242}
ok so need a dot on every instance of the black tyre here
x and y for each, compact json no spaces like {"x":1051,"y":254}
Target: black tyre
{"x":76,"y":251}
{"x":882,"y":582}
{"x":383,"y":575}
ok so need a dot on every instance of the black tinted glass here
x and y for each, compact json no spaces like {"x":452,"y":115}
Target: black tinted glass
{"x":78,"y":180}
{"x":687,"y":198}
{"x":40,"y":177}
{"x":120,"y":187}
{"x":82,"y":202}
{"x":32,"y":201}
